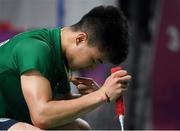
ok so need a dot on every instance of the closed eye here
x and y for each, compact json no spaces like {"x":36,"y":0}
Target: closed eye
{"x":93,"y":61}
{"x":100,"y":61}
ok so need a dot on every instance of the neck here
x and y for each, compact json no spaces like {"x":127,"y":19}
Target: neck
{"x":66,"y":38}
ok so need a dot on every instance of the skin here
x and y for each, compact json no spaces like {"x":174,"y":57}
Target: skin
{"x":47,"y":113}
{"x":79,"y":54}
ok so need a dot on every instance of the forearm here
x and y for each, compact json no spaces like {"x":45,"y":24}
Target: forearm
{"x":48,"y":113}
{"x":57,"y":113}
{"x":66,"y":96}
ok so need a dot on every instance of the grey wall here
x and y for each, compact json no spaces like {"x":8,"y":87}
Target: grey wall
{"x":75,"y":9}
{"x":29,"y":13}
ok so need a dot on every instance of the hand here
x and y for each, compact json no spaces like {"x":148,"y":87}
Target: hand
{"x":116,"y":84}
{"x":84,"y":85}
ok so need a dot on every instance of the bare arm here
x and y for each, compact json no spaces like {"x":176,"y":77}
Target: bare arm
{"x":47,"y":113}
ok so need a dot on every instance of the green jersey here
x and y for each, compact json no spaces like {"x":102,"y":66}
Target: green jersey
{"x":33,"y":50}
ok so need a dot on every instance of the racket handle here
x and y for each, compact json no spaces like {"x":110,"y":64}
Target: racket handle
{"x":119,"y":101}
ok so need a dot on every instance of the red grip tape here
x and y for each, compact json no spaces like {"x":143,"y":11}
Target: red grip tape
{"x":119,"y":101}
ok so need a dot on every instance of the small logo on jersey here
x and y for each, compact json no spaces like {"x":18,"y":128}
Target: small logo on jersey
{"x":3,"y":43}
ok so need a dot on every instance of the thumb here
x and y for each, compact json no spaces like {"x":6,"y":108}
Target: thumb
{"x":75,"y":81}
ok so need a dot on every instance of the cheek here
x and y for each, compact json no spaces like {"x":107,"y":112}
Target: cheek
{"x":82,"y":60}
{"x":78,"y":59}
{"x":82,"y":56}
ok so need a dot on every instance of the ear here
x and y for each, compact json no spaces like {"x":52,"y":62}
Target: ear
{"x":81,"y":38}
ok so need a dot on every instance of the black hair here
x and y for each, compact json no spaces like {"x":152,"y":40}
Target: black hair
{"x":106,"y":27}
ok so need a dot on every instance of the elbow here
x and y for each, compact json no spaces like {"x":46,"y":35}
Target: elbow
{"x":40,"y":118}
{"x":44,"y":118}
{"x":40,"y":122}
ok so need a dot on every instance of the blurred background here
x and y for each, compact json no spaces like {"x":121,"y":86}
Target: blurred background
{"x":152,"y":101}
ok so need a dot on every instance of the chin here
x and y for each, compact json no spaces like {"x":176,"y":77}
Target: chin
{"x":72,"y":67}
{"x":75,"y":67}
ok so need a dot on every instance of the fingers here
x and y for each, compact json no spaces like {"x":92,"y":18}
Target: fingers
{"x":121,"y":83}
{"x":124,"y":87}
{"x":82,"y":80}
{"x":125,"y":79}
{"x":116,"y":84}
{"x":120,"y":73}
{"x":83,"y":89}
{"x":122,"y":76}
{"x":75,"y":81}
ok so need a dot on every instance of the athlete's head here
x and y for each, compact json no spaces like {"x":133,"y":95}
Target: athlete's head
{"x":104,"y":29}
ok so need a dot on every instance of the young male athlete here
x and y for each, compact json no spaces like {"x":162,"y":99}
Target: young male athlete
{"x":34,"y":85}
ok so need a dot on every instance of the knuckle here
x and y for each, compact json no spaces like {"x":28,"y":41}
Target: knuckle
{"x":113,"y":75}
{"x":125,"y":72}
{"x":116,"y":79}
{"x":119,"y":85}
